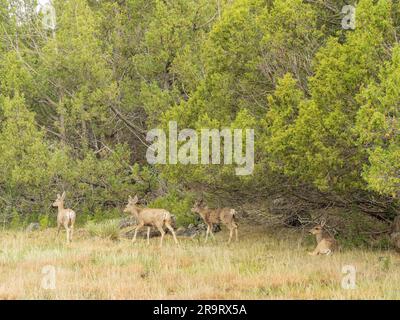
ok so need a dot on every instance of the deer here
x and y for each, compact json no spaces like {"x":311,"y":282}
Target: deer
{"x":225,"y":216}
{"x":150,"y":217}
{"x":326,"y":244}
{"x":65,"y":217}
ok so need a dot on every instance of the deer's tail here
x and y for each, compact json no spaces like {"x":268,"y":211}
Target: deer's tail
{"x":70,"y":216}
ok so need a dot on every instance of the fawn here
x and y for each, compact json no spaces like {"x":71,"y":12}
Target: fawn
{"x":65,"y":217}
{"x":225,"y":216}
{"x":150,"y":217}
{"x":326,"y":244}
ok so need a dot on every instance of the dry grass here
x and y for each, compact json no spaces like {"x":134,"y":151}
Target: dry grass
{"x":263,"y":265}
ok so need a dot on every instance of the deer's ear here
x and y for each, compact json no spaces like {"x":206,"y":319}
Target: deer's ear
{"x":135,"y":199}
{"x":58,"y":196}
{"x":63,"y":195}
{"x":130,"y":199}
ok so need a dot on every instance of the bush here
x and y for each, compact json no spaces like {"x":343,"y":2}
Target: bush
{"x":44,"y":221}
{"x":16,"y":222}
{"x":108,"y":229}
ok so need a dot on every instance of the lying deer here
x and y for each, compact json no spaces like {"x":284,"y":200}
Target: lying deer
{"x":65,"y":217}
{"x":225,"y":216}
{"x":150,"y":217}
{"x":326,"y":244}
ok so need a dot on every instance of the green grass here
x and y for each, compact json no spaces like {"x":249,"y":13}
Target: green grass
{"x":107,"y":229}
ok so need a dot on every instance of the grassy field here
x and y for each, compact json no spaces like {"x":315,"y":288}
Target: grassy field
{"x":263,"y":265}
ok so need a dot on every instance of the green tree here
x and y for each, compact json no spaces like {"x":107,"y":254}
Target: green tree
{"x":378,"y":128}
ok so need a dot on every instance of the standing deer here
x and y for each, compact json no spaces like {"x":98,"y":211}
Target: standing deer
{"x":326,"y":244}
{"x":225,"y":216}
{"x":65,"y":217}
{"x":150,"y":217}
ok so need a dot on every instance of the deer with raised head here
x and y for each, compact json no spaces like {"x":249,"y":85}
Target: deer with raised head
{"x":326,"y":244}
{"x":65,"y":217}
{"x":225,"y":216}
{"x":151,"y":218}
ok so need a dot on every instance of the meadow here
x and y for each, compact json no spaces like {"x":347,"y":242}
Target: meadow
{"x":264,"y":264}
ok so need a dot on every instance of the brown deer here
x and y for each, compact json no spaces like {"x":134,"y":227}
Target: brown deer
{"x":150,"y":217}
{"x":225,"y":216}
{"x":326,"y":244}
{"x":65,"y":217}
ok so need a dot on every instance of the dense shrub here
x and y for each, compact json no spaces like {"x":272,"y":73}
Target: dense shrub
{"x":107,"y":229}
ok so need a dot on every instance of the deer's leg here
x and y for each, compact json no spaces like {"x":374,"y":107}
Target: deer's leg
{"x":328,"y":252}
{"x":162,"y":235}
{"x":230,"y":234}
{"x":71,"y":230}
{"x":58,"y":229}
{"x":315,"y":252}
{"x":208,"y":230}
{"x":148,"y":235}
{"x":68,"y":234}
{"x":236,"y":233}
{"x":172,"y":231}
{"x":211,"y":230}
{"x":235,"y":228}
{"x":139,"y":226}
